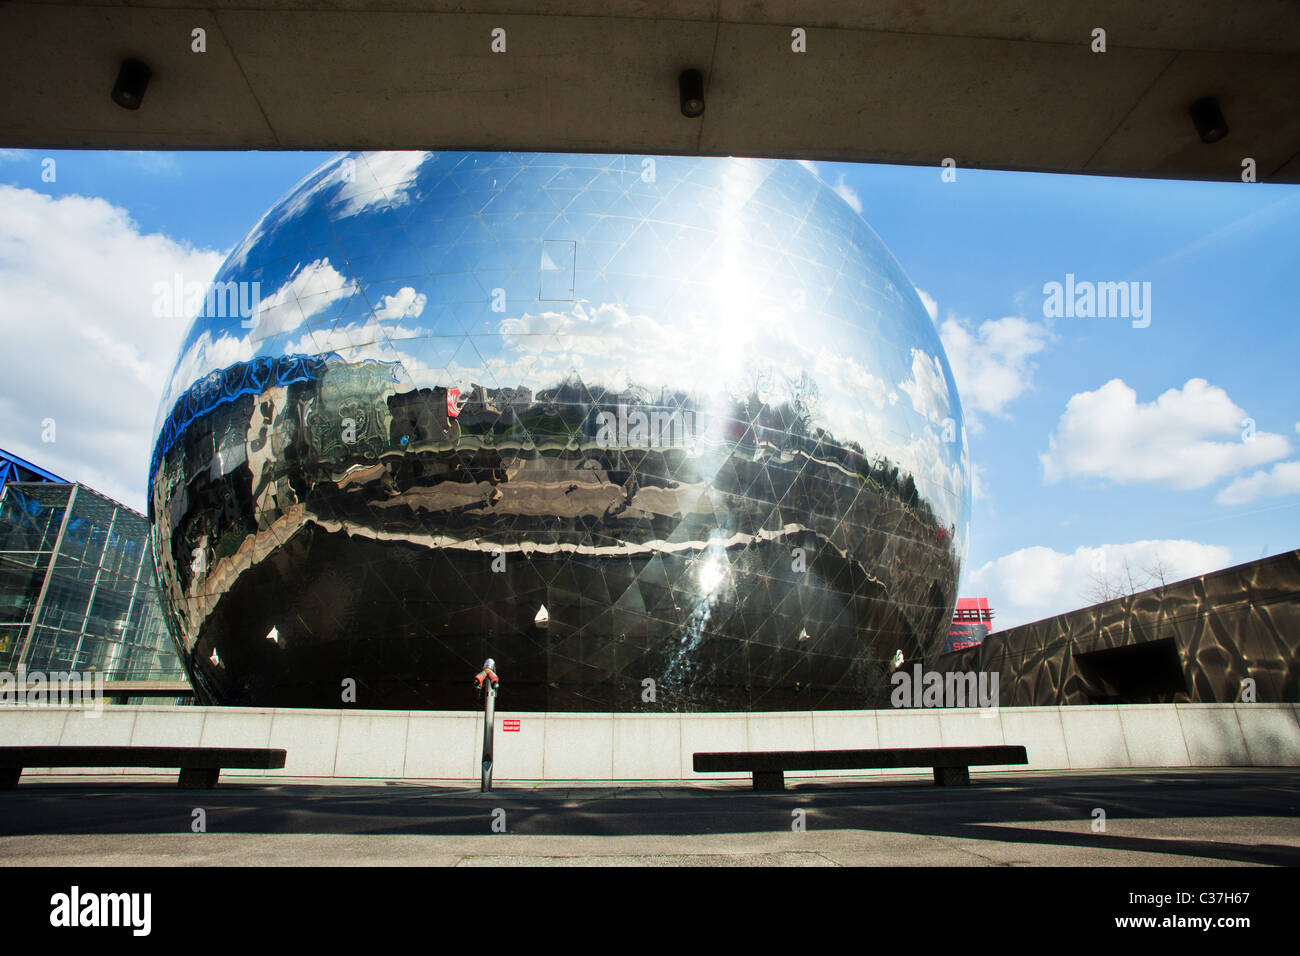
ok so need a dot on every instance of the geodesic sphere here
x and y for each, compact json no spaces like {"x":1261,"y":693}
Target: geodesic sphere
{"x":656,"y":434}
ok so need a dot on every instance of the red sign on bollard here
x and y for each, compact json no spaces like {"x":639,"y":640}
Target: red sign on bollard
{"x":510,"y":726}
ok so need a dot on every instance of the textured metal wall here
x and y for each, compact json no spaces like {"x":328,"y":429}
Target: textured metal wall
{"x":1190,"y":641}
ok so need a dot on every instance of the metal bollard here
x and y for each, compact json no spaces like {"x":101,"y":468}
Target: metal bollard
{"x":487,"y":676}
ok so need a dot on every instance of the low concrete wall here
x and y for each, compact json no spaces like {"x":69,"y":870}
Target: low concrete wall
{"x":446,"y":746}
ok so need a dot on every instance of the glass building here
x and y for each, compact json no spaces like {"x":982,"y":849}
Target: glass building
{"x":655,"y":433}
{"x":78,"y":590}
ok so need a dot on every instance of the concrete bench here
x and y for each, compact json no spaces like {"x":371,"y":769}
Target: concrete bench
{"x":199,"y":766}
{"x":951,"y":765}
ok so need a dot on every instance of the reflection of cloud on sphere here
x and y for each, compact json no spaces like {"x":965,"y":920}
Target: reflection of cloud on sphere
{"x":419,"y":396}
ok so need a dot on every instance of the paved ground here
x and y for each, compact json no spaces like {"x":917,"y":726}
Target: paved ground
{"x":1156,"y":818}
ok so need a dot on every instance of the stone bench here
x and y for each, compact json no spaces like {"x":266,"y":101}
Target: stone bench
{"x":200,"y":767}
{"x":951,"y":765}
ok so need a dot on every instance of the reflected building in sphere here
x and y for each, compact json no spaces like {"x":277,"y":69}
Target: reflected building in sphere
{"x":608,"y":420}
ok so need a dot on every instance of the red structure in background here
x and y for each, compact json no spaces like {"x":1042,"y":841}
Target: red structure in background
{"x":971,"y":622}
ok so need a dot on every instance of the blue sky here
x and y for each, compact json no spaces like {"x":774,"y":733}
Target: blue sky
{"x":1221,"y":260}
{"x":1149,"y":459}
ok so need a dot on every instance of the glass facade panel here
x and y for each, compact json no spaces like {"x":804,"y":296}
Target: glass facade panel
{"x":90,"y":604}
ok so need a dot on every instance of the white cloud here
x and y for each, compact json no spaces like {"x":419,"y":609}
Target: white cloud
{"x":1038,"y":582}
{"x":923,"y":457}
{"x":372,"y":180}
{"x":840,"y":186}
{"x":992,"y":364}
{"x":204,"y":355}
{"x":632,"y":349}
{"x":1283,"y":479}
{"x":13,"y":155}
{"x":848,"y":194}
{"x":595,"y":330}
{"x":1108,"y":434}
{"x":407,"y":304}
{"x":846,"y":374}
{"x":82,"y":345}
{"x":931,"y":306}
{"x":309,"y":291}
{"x":351,"y":346}
{"x":927,"y":387}
{"x":370,"y":339}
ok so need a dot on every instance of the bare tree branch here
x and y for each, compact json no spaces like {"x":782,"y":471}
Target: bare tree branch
{"x":1157,"y":570}
{"x":1124,"y":581}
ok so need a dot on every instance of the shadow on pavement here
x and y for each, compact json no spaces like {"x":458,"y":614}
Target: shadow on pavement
{"x":993,"y":809}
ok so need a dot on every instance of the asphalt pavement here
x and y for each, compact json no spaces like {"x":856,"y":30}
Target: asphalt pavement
{"x":1246,"y":816}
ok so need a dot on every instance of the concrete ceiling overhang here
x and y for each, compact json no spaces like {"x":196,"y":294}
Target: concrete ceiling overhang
{"x":1008,"y":84}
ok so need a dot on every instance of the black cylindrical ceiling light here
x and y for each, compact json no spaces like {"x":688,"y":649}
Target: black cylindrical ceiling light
{"x":132,"y":80}
{"x":1209,"y":120}
{"x":691,"y":85}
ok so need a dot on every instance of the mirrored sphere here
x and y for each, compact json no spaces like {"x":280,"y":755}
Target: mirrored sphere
{"x":656,"y":434}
